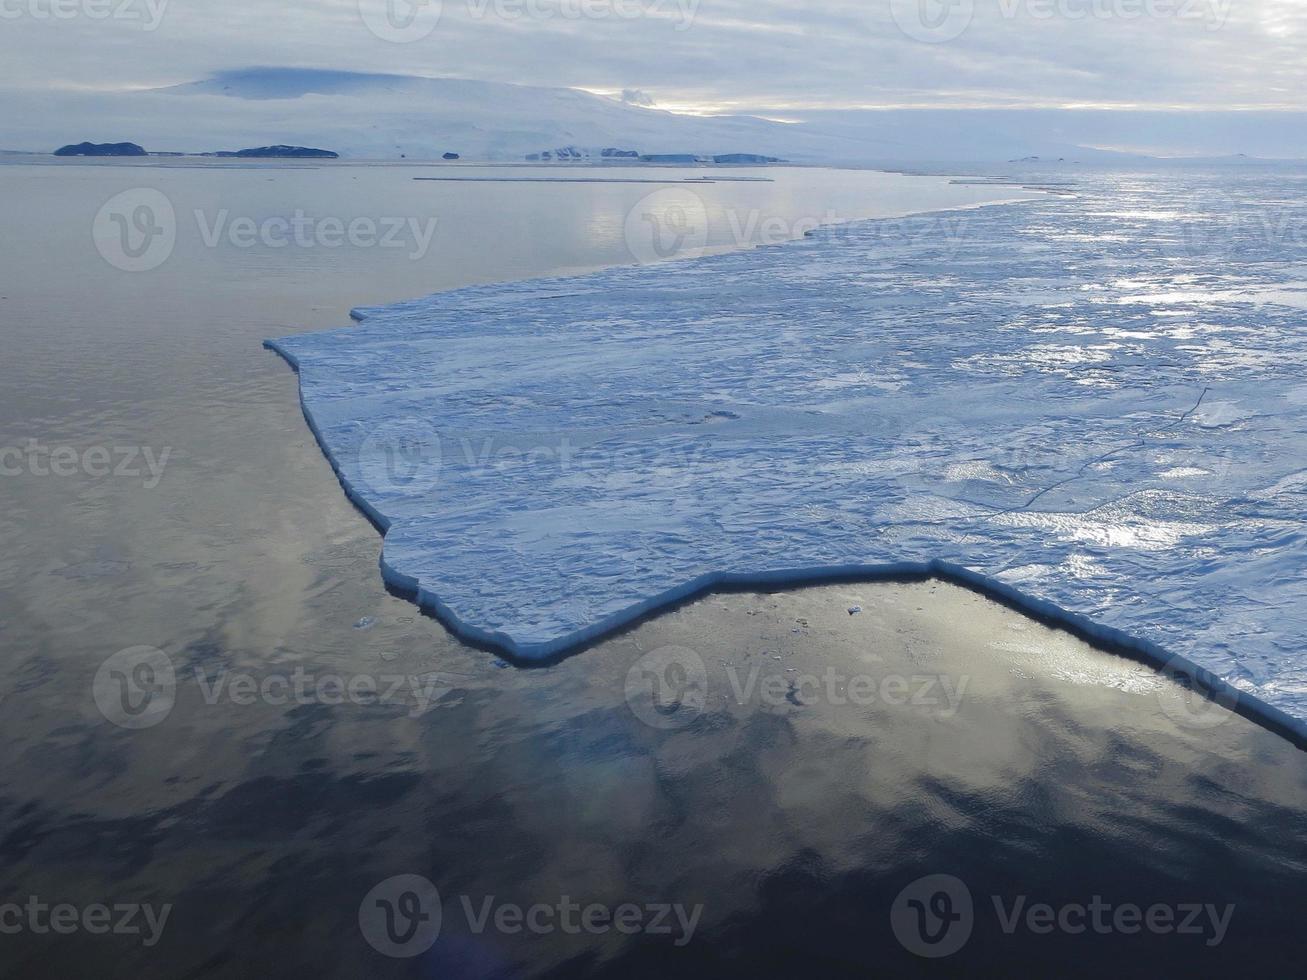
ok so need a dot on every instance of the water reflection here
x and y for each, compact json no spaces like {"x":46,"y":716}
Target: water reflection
{"x":823,"y":760}
{"x":793,"y":816}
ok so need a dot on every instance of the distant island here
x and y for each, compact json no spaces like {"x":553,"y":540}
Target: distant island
{"x":572,"y":153}
{"x":101,"y":150}
{"x":280,"y":151}
{"x":692,"y":158}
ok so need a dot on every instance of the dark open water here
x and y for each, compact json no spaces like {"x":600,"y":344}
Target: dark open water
{"x":770,"y":768}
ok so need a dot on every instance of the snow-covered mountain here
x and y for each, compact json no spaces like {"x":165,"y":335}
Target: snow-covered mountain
{"x":383,"y":116}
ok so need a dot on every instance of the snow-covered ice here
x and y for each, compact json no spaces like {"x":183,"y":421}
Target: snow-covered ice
{"x":1094,"y":402}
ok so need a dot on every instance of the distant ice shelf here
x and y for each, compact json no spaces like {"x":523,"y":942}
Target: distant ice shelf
{"x":1095,"y":405}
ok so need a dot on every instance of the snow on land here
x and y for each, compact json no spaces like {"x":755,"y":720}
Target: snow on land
{"x":1093,"y":402}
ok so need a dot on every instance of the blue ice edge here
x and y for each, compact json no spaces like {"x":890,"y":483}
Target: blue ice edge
{"x":546,"y":653}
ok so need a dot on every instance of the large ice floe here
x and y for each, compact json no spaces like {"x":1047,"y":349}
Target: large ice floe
{"x":1093,"y":403}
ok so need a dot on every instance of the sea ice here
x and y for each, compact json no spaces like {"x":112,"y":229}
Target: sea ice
{"x":1094,"y":403}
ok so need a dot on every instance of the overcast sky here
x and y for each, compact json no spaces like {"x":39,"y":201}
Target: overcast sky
{"x":702,"y":55}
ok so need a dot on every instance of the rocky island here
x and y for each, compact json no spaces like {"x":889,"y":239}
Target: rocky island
{"x":101,"y":150}
{"x":281,"y":151}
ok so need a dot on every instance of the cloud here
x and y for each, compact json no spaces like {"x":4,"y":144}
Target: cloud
{"x":748,"y":55}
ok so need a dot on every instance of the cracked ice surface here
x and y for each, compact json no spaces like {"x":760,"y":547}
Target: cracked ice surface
{"x":1097,"y":400}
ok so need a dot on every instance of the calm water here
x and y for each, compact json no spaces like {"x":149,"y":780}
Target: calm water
{"x":782,"y":816}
